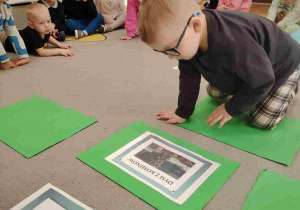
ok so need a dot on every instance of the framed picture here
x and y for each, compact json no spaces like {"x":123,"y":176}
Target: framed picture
{"x":168,"y":168}
{"x":50,"y":198}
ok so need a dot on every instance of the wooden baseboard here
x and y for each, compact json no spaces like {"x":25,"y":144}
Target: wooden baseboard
{"x":257,"y":3}
{"x":262,"y":1}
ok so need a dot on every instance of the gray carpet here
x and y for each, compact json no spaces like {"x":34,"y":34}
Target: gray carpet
{"x":117,"y":83}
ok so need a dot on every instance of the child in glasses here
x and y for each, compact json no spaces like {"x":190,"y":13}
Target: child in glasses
{"x":237,"y":53}
{"x":286,"y":14}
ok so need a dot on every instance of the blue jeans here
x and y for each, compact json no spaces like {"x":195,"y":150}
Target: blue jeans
{"x":89,"y":25}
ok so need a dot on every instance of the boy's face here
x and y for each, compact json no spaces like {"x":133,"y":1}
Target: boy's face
{"x":41,"y":22}
{"x":189,"y":45}
{"x":288,"y":1}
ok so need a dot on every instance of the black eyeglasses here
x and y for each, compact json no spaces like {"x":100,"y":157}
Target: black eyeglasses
{"x":174,"y":51}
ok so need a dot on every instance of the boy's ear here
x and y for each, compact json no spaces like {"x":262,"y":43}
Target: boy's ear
{"x":30,"y":24}
{"x":196,"y":22}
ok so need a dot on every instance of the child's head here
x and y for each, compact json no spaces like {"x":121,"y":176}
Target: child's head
{"x":287,"y":2}
{"x":162,"y":22}
{"x":1,"y":1}
{"x":39,"y":18}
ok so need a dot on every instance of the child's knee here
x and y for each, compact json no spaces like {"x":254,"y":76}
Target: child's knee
{"x":215,"y":93}
{"x":70,"y":23}
{"x":100,"y":17}
{"x":263,"y":122}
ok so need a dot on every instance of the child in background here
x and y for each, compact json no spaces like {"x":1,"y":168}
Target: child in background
{"x":238,"y":5}
{"x":241,"y":55}
{"x":9,"y":32}
{"x":37,"y":34}
{"x":56,"y":10}
{"x":286,"y":14}
{"x":131,"y":22}
{"x":114,"y":13}
{"x":82,"y":17}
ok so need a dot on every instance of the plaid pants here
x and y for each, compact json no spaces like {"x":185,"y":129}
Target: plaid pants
{"x":269,"y":112}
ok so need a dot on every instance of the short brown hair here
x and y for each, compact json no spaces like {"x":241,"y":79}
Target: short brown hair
{"x":33,"y":9}
{"x":155,"y":14}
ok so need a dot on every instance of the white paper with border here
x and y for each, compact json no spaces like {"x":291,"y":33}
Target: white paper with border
{"x":193,"y":169}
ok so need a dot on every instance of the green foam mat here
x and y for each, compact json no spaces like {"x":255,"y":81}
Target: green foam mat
{"x":279,"y":145}
{"x":137,"y":183}
{"x":273,"y":191}
{"x":35,"y":124}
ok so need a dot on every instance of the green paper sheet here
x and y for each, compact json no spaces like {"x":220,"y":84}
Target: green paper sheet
{"x":273,"y":191}
{"x":34,"y":124}
{"x":94,"y":157}
{"x":279,"y":145}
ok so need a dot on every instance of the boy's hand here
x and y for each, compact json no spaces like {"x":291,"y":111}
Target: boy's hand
{"x":65,"y":46}
{"x":53,"y":33}
{"x":22,"y":62}
{"x":66,"y":52}
{"x":8,"y":65}
{"x":127,"y":38}
{"x":218,"y":114}
{"x":170,"y":117}
{"x":224,"y":7}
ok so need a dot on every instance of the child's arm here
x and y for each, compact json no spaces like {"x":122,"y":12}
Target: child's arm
{"x":131,"y":21}
{"x":13,"y":35}
{"x":245,"y":6}
{"x":292,"y":17}
{"x":52,"y":52}
{"x":5,"y":63}
{"x":54,"y":42}
{"x":58,"y":44}
{"x":272,"y":13}
{"x":3,"y":55}
{"x":189,"y":87}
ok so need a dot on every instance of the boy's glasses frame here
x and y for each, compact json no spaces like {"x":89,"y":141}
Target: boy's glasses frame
{"x":174,"y":51}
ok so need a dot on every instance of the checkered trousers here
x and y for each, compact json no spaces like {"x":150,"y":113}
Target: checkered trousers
{"x":269,"y":112}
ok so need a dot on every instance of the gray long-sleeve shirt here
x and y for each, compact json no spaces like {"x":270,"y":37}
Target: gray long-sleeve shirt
{"x":248,"y":56}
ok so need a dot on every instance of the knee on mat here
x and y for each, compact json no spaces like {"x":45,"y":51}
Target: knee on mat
{"x":215,"y":93}
{"x":260,"y":122}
